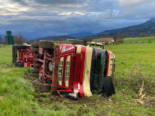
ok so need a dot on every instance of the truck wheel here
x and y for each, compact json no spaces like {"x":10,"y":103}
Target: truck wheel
{"x":34,"y":74}
{"x":34,"y":49}
{"x":108,"y":86}
{"x":14,"y":54}
{"x":35,"y":45}
{"x":34,"y":70}
{"x":16,"y":63}
{"x":20,"y":64}
{"x":46,"y":44}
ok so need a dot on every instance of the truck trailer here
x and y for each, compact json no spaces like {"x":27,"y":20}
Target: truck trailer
{"x":73,"y":71}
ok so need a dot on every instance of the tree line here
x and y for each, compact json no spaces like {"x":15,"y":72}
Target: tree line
{"x":18,"y":39}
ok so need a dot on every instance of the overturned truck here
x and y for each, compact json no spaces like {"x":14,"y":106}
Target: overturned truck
{"x":72,"y":71}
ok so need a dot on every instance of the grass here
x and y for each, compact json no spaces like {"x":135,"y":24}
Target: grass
{"x":128,"y":55}
{"x":95,"y":40}
{"x":139,"y":40}
{"x":133,"y":62}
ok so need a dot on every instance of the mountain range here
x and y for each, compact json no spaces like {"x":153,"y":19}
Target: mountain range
{"x":55,"y":37}
{"x":147,"y":28}
{"x":81,"y":34}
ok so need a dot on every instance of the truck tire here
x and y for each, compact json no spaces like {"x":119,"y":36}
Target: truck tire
{"x":108,"y":86}
{"x":34,"y":49}
{"x":34,"y":70}
{"x":20,"y":64}
{"x":14,"y":54}
{"x":34,"y":74}
{"x":16,"y":64}
{"x":35,"y":45}
{"x":46,"y":44}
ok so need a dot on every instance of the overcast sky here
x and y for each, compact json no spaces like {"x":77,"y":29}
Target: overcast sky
{"x":39,"y":18}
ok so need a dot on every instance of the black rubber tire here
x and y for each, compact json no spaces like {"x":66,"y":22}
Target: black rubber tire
{"x":44,"y":87}
{"x":14,"y":54}
{"x":34,"y":70}
{"x":34,"y":74}
{"x":35,"y":45}
{"x":108,"y":86}
{"x":16,"y":64}
{"x":34,"y":49}
{"x":46,"y":44}
{"x":20,"y":64}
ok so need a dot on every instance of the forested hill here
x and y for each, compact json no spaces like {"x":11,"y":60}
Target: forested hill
{"x":147,"y":28}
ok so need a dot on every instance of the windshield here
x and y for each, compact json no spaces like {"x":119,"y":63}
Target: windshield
{"x":97,"y":70}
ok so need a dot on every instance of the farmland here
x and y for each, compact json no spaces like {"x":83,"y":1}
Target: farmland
{"x":139,"y":40}
{"x":135,"y":62}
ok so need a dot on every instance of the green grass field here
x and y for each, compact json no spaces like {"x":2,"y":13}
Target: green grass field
{"x":139,"y":40}
{"x":134,"y":63}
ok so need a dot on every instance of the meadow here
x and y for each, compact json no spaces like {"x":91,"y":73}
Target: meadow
{"x":134,"y":63}
{"x":139,"y":40}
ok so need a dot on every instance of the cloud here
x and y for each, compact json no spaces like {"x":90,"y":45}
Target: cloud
{"x":133,"y":2}
{"x":36,"y":18}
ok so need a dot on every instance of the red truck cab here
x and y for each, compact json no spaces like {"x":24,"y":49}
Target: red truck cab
{"x":74,"y":70}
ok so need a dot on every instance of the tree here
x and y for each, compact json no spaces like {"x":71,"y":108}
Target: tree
{"x":88,"y":39}
{"x":122,"y":36}
{"x":85,"y":42}
{"x":1,"y":39}
{"x":142,"y":35}
{"x":119,"y":39}
{"x":19,"y":39}
{"x":115,"y":39}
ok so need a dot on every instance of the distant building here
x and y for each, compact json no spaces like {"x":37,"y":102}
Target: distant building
{"x":108,"y":40}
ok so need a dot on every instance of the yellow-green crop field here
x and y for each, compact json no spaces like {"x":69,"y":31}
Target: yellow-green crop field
{"x":135,"y":63}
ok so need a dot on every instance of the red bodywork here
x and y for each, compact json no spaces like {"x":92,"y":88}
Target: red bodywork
{"x":25,"y":56}
{"x":45,"y":57}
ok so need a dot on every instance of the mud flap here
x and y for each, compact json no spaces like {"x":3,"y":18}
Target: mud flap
{"x":108,"y":86}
